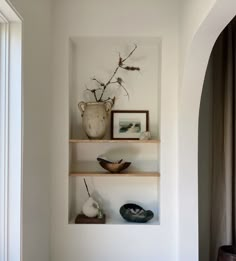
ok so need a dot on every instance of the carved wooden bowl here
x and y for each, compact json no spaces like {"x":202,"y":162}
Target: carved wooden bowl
{"x":114,"y":167}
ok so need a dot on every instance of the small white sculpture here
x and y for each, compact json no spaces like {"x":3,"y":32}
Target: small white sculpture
{"x":146,"y":135}
{"x":90,"y":208}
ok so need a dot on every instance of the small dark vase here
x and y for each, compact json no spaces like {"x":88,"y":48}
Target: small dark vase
{"x":227,"y":253}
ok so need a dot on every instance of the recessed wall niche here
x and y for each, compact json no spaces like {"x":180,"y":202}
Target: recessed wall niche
{"x":98,"y":57}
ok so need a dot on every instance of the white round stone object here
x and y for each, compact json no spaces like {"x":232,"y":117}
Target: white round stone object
{"x":90,"y":208}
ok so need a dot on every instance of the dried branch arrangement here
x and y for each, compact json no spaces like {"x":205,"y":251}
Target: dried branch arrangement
{"x":85,"y":183}
{"x":113,"y":80}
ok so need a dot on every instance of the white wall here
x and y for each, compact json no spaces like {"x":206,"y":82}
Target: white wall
{"x":37,"y":102}
{"x":121,"y":19}
{"x":192,"y":14}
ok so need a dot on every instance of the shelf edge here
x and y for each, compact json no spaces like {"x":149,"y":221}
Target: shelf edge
{"x":156,"y":141}
{"x":105,"y":174}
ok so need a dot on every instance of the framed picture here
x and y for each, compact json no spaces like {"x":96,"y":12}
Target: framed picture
{"x":128,"y":125}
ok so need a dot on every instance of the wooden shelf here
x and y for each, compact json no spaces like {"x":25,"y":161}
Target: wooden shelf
{"x":120,"y":221}
{"x":113,"y":141}
{"x":107,"y":174}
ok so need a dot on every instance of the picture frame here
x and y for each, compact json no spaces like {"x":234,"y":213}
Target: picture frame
{"x":129,"y":124}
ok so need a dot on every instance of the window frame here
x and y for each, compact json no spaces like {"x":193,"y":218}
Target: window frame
{"x":10,"y":134}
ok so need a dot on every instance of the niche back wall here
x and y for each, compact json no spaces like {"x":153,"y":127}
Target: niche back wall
{"x":98,"y":57}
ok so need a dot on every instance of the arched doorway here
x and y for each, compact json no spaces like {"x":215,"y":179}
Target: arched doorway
{"x":190,"y":96}
{"x":216,"y":148}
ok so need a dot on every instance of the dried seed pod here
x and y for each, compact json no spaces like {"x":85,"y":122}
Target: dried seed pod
{"x":131,"y":68}
{"x":120,"y":62}
{"x":119,"y":80}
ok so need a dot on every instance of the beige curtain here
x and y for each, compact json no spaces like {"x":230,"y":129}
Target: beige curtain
{"x":222,"y":197}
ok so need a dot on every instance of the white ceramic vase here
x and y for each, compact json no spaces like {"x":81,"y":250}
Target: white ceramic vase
{"x":90,"y":208}
{"x":95,"y":116}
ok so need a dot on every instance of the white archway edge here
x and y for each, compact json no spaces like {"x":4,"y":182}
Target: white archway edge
{"x":190,"y":95}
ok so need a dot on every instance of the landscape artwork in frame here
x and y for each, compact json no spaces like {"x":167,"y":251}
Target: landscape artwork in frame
{"x":129,"y":124}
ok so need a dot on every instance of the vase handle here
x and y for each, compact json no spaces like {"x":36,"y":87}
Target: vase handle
{"x":82,"y":106}
{"x":108,"y":105}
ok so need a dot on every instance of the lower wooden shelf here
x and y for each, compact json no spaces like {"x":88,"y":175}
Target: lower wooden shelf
{"x":82,"y":219}
{"x":119,"y":221}
{"x":122,"y":174}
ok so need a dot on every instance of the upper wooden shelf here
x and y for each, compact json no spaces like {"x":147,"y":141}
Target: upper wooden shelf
{"x":113,"y":141}
{"x":122,"y":174}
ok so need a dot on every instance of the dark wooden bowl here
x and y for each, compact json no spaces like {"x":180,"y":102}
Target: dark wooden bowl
{"x":114,"y":167}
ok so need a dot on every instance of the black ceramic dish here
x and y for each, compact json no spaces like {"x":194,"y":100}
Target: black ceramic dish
{"x":135,"y":213}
